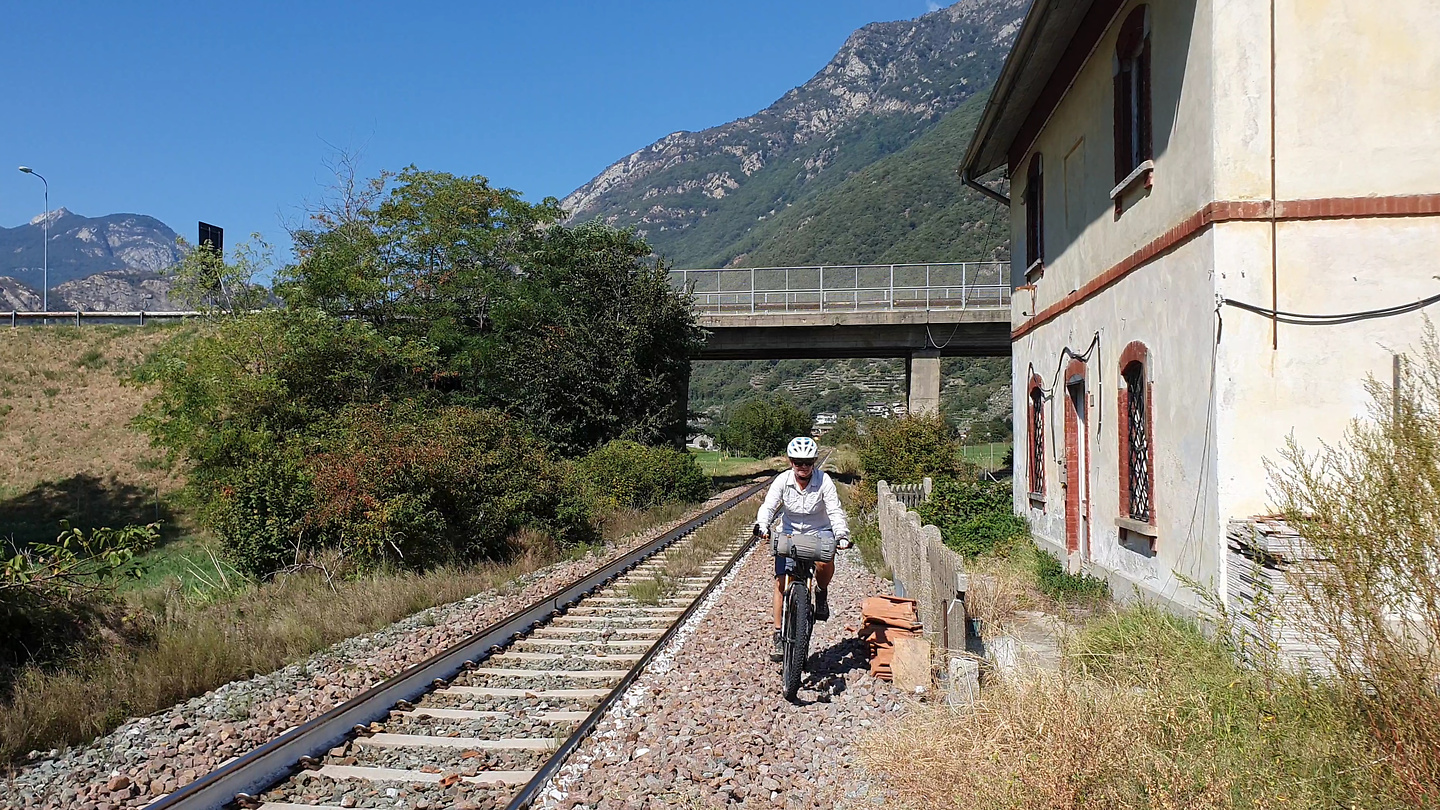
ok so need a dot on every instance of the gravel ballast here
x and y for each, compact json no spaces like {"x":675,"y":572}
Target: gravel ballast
{"x":151,"y":756}
{"x":706,"y":725}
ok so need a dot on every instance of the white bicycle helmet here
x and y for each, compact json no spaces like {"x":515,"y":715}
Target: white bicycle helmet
{"x":802,"y":447}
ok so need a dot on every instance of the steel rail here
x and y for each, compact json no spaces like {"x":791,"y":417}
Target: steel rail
{"x":528,"y":794}
{"x":280,"y":758}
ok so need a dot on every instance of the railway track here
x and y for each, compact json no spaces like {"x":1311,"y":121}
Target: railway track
{"x":487,"y":722}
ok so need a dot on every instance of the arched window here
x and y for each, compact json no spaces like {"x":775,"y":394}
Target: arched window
{"x":1137,"y":445}
{"x":1133,"y":144}
{"x":1036,"y":456}
{"x":1034,"y":218}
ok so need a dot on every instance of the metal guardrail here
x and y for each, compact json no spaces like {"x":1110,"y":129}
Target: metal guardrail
{"x":847,"y":288}
{"x":78,"y":316}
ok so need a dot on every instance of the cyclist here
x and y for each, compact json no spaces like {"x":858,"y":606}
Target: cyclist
{"x":806,"y":501}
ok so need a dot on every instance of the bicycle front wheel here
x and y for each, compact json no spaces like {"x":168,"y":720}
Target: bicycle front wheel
{"x":797,"y":637}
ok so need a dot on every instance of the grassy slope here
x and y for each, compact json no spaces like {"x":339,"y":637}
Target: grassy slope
{"x":67,"y":450}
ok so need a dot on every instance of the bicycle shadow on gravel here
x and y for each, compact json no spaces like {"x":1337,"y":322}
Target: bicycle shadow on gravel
{"x":826,"y":670}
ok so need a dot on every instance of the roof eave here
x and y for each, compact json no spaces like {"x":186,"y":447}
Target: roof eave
{"x":980,"y":157}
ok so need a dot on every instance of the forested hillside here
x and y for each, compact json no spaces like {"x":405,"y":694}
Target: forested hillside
{"x":855,"y":166}
{"x":907,"y":207}
{"x":698,"y":198}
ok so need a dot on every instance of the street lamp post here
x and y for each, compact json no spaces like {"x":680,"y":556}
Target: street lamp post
{"x":45,"y":248}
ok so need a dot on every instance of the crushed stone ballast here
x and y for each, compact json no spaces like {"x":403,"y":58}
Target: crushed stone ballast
{"x":490,"y":720}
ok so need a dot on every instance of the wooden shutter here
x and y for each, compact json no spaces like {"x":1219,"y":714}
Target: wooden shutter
{"x":1142,"y":66}
{"x":1122,"y":124}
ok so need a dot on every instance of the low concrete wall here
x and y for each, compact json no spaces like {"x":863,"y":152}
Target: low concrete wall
{"x":925,"y":569}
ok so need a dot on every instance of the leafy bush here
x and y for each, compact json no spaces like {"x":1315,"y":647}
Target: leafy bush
{"x":903,"y":451}
{"x":258,"y":508}
{"x":845,"y":431}
{"x":421,"y":487}
{"x":629,"y":475}
{"x":761,"y":427}
{"x":975,"y":517}
{"x":1058,"y":583}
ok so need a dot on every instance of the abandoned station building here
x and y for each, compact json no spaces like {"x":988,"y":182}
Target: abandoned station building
{"x":1181,"y":170}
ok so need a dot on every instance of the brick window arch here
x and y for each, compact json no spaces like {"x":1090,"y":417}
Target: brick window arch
{"x":1137,"y":439}
{"x":1133,"y":140}
{"x":1035,"y":458}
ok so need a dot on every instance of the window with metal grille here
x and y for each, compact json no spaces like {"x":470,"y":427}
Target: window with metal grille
{"x":1137,"y":435}
{"x":1037,"y":443}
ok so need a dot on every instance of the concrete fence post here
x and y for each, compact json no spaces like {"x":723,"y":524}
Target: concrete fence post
{"x":924,"y":569}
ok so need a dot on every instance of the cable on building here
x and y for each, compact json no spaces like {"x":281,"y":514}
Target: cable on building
{"x":1304,"y":319}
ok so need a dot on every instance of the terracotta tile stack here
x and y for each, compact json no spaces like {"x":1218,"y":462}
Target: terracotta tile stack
{"x":883,"y":619}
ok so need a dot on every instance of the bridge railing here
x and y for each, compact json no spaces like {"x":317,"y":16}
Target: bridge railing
{"x":848,"y":288}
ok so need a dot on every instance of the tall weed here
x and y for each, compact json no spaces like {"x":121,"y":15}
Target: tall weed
{"x":1370,"y":507}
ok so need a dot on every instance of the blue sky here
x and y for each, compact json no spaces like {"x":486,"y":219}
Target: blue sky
{"x":228,"y":112}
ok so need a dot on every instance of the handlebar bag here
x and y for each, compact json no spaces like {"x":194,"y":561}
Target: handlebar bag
{"x":809,"y":547}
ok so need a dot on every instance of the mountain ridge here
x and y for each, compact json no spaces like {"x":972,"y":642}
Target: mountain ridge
{"x":695,"y":195}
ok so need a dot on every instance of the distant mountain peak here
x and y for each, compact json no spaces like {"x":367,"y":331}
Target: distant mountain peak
{"x":81,"y":246}
{"x":54,"y":216}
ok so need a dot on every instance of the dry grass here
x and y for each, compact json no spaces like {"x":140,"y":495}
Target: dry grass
{"x":619,"y":524}
{"x":707,"y":541}
{"x":194,"y":645}
{"x":84,"y":428}
{"x":1146,"y":713}
{"x":652,"y":591}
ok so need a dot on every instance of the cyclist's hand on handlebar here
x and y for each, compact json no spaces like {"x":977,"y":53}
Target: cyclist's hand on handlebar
{"x":843,"y":541}
{"x":761,"y":533}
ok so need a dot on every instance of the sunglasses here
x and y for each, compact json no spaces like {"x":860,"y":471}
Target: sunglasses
{"x":809,"y":462}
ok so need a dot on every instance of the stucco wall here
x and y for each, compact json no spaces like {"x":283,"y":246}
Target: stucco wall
{"x":1359,"y":84}
{"x":1358,"y":98}
{"x":1314,"y":384}
{"x":1083,"y":236}
{"x":1179,"y":339}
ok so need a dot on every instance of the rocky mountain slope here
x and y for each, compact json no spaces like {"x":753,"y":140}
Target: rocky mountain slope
{"x":698,"y":196}
{"x":114,"y":262}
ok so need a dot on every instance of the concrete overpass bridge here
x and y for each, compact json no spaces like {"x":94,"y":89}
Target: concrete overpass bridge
{"x":918,"y":312}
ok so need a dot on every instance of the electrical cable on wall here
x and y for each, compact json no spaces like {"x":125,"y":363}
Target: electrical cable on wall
{"x":1303,"y":319}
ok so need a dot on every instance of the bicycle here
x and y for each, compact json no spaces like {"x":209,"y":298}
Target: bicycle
{"x":797,"y":618}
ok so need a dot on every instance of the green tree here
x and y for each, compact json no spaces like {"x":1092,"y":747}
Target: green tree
{"x":762,"y":426}
{"x":204,"y":281}
{"x":576,"y":330}
{"x":407,"y":249}
{"x":903,"y":451}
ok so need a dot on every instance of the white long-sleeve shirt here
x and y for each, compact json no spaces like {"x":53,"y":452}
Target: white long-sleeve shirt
{"x":804,"y":511}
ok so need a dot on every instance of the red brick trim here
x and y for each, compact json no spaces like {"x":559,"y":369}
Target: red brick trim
{"x":1409,"y":205}
{"x":1135,"y":352}
{"x":1413,"y":205}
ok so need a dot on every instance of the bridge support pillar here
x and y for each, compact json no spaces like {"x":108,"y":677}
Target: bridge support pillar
{"x":922,"y":381}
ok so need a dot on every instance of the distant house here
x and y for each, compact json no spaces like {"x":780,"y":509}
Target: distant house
{"x":826,"y":419}
{"x":1192,"y":183}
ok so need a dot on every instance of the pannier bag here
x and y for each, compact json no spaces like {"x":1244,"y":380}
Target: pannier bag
{"x":809,"y":547}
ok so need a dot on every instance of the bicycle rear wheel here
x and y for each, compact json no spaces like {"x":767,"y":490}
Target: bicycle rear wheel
{"x":797,"y":637}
